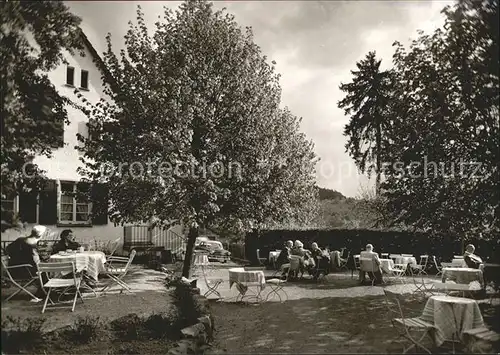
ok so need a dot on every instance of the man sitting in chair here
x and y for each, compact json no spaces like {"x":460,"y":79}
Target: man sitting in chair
{"x":284,"y":257}
{"x":23,"y":251}
{"x":472,"y":260}
{"x":373,"y":264}
{"x":66,"y":242}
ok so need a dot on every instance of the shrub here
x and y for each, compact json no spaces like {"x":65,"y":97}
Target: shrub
{"x":160,"y":325}
{"x":85,"y":329}
{"x":21,"y":334}
{"x":128,"y":327}
{"x":188,"y":307}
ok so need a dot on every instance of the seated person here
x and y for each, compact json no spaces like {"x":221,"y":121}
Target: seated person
{"x":66,"y":242}
{"x":370,"y":255}
{"x":284,"y":257}
{"x":23,"y":251}
{"x":473,"y":261}
{"x":306,"y":260}
{"x":322,"y":259}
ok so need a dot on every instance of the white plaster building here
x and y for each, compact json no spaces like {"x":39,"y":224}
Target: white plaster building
{"x":54,"y":209}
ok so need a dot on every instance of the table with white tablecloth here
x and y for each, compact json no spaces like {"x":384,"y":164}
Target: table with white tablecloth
{"x":92,"y":262}
{"x":243,"y":279}
{"x":451,"y":316}
{"x":463,"y":275}
{"x":405,"y":260}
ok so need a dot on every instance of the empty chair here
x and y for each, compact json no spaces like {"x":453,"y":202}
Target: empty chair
{"x":59,"y":268}
{"x":384,"y":255}
{"x":117,"y":270}
{"x":420,"y":268}
{"x":260,"y":259}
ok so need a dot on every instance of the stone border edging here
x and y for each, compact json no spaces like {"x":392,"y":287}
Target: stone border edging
{"x":197,"y":335}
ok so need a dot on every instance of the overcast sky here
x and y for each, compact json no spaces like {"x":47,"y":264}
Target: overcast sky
{"x":315,"y":45}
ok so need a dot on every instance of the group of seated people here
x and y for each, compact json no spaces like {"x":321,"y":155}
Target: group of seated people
{"x":314,"y":261}
{"x":24,"y":251}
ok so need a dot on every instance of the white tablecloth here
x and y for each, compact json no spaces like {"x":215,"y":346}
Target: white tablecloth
{"x":405,"y":260}
{"x":463,"y":275}
{"x":90,"y":261}
{"x":200,"y":260}
{"x":386,"y":264}
{"x":458,"y":263}
{"x":273,"y":256}
{"x":243,"y":279}
{"x":451,"y":316}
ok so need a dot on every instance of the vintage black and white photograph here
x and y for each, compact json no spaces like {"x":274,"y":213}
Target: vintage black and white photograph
{"x":250,"y":177}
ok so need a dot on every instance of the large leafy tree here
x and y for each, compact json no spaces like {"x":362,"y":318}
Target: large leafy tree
{"x":33,"y":37}
{"x":366,"y":102}
{"x":197,"y":92}
{"x":445,"y":140}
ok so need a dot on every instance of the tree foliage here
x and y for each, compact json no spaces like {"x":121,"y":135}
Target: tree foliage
{"x":198,"y":93}
{"x":33,"y":38}
{"x":444,"y":126}
{"x":366,"y":101}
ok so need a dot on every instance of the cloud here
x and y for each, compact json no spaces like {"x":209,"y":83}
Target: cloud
{"x":315,"y":44}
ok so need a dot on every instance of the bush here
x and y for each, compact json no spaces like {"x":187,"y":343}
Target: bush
{"x":160,"y":326}
{"x":128,"y":327}
{"x":21,"y":334}
{"x":85,"y":329}
{"x":187,"y":306}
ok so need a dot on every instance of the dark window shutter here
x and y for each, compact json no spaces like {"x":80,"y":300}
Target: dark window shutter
{"x":27,"y":206}
{"x":48,"y":204}
{"x":100,"y":204}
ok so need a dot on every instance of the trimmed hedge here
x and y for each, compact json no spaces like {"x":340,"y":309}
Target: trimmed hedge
{"x":355,"y":240}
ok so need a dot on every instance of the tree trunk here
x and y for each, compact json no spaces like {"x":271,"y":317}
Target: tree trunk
{"x":377,"y":158}
{"x":192,"y":235}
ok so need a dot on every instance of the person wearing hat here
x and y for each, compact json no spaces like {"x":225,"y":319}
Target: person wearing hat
{"x":67,"y":242}
{"x":23,"y":251}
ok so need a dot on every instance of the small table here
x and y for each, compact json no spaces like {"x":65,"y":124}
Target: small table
{"x":243,"y":279}
{"x":463,"y":275}
{"x":451,"y":316}
{"x":90,"y":261}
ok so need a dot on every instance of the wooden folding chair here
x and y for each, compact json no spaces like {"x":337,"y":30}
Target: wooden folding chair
{"x":212,"y":284}
{"x":21,"y":284}
{"x":422,"y":265}
{"x":51,"y":269}
{"x":260,"y":259}
{"x":406,"y":325}
{"x":117,"y":273}
{"x":356,"y":265}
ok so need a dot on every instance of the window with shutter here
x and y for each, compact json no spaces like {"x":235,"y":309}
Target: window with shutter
{"x":74,"y":206}
{"x":70,"y":76}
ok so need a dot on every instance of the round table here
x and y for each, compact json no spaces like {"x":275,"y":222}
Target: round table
{"x":90,"y":261}
{"x":245,"y":278}
{"x":451,"y":316}
{"x":463,"y":275}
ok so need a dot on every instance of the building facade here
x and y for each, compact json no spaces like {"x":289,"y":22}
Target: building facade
{"x":55,"y":206}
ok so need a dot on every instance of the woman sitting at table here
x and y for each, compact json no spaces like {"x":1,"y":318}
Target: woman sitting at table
{"x":306,"y":259}
{"x":67,"y":242}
